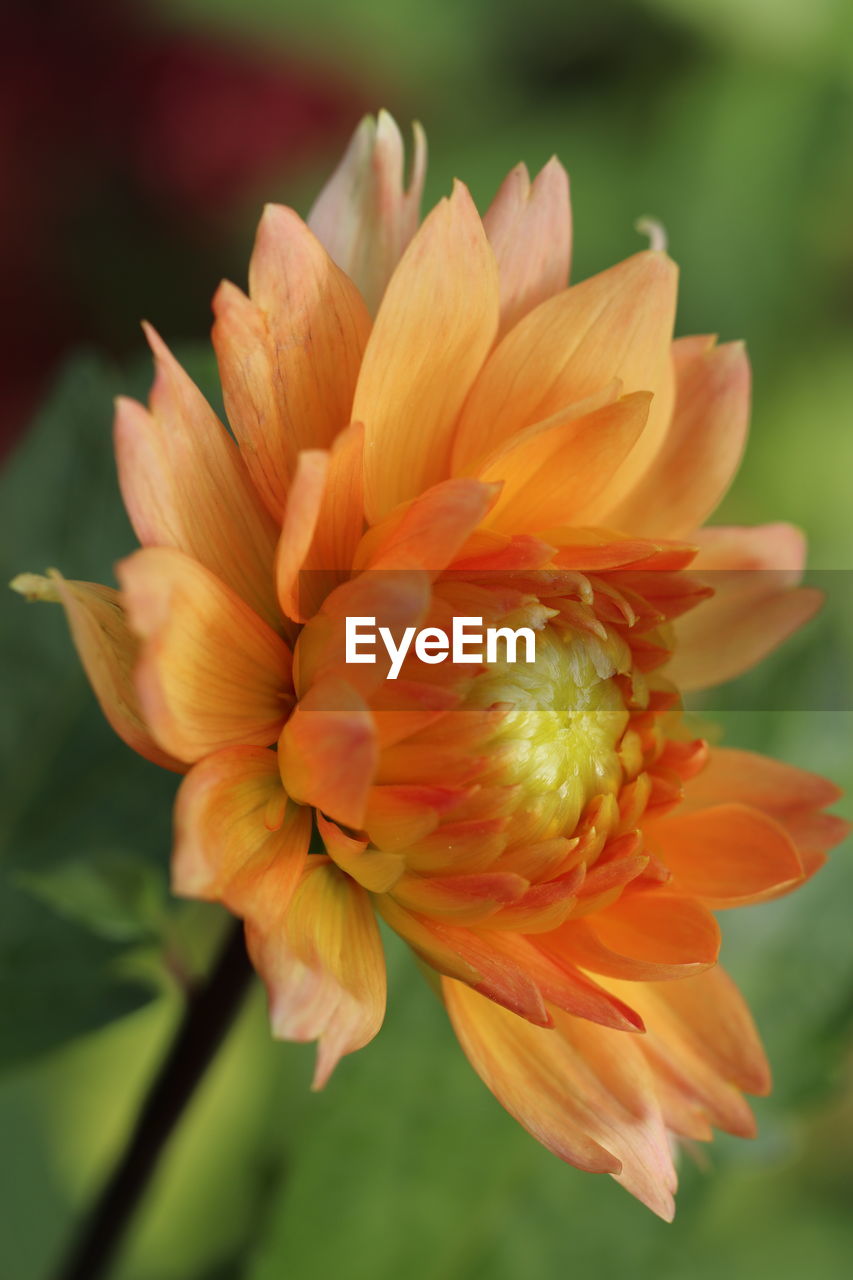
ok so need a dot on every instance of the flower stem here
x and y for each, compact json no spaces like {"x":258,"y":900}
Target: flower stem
{"x":210,"y":1011}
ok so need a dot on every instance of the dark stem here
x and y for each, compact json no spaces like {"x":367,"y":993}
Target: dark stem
{"x":209,"y":1013}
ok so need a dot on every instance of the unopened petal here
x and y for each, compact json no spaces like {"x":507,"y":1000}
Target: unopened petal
{"x":366,"y":215}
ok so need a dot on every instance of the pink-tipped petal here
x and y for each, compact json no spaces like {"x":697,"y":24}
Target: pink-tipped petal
{"x":530,"y":229}
{"x":365,"y":215}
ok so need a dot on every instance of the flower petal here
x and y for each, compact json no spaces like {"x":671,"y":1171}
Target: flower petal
{"x":653,"y":927}
{"x":436,"y":323}
{"x":429,"y":532}
{"x":615,"y":325}
{"x":323,"y":966}
{"x":364,"y":216}
{"x":185,"y":485}
{"x":328,"y":752}
{"x":553,"y":474}
{"x":702,"y":448}
{"x":791,"y":796}
{"x":582,"y":1091}
{"x":530,"y":229}
{"x":289,"y":358}
{"x":108,"y":650}
{"x":323,"y":521}
{"x":728,"y":855}
{"x":211,"y":673}
{"x":707,"y":1015}
{"x":756,"y":605}
{"x":238,"y":839}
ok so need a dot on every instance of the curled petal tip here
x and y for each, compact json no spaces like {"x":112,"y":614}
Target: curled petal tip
{"x":656,"y":231}
{"x":36,"y":586}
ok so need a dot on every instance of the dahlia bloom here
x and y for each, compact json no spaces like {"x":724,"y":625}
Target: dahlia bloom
{"x":429,"y":424}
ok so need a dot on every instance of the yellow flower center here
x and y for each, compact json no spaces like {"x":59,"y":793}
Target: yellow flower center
{"x":558,"y":740}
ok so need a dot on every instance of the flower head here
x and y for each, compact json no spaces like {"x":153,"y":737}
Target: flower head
{"x":428,"y":426}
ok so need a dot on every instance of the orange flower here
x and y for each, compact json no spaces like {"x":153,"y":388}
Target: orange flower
{"x":546,"y":837}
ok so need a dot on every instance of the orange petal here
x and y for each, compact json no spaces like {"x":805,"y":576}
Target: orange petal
{"x":655,"y":927}
{"x":328,"y":752}
{"x":364,"y":215}
{"x":554,"y":473}
{"x":289,"y":358}
{"x":562,"y":984}
{"x":461,"y":899}
{"x":702,"y":448}
{"x":185,"y":485}
{"x":754,"y":609}
{"x":432,"y":529}
{"x":706,"y":1016}
{"x":301,"y":517}
{"x":580,"y":940}
{"x":211,"y":673}
{"x":615,"y":325}
{"x":461,"y":953}
{"x":109,"y":651}
{"x":397,"y":816}
{"x":530,"y":229}
{"x":791,"y":796}
{"x":436,"y":323}
{"x":373,"y":869}
{"x":323,"y":966}
{"x":581,"y":1091}
{"x":728,"y":855}
{"x":238,"y":839}
{"x":340,"y":521}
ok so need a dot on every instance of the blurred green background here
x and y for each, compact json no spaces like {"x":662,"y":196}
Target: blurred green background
{"x":732,"y":122}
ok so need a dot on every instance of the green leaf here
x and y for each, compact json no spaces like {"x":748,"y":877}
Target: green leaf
{"x":114,"y":894}
{"x":57,"y":980}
